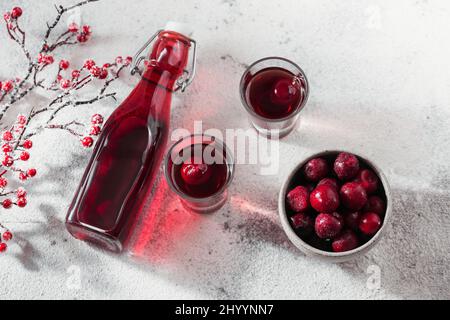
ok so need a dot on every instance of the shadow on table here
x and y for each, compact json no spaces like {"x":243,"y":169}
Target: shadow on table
{"x":413,"y":256}
{"x":209,"y":252}
{"x":52,"y":226}
{"x":60,"y":252}
{"x":202,"y":250}
{"x":60,"y":247}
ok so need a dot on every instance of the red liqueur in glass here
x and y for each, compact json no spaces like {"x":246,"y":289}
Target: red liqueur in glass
{"x":129,"y":150}
{"x":199,"y":169}
{"x":196,"y":177}
{"x":274,"y":93}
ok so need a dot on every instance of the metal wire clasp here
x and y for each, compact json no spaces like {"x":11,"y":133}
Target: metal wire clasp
{"x":188,"y":75}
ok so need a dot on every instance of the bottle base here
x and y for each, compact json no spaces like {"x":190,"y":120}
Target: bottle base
{"x":274,"y":131}
{"x":211,"y":206}
{"x":94,"y":237}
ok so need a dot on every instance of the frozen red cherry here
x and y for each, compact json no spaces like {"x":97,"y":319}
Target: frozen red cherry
{"x":21,"y":192}
{"x":346,"y":166}
{"x":88,"y":64}
{"x":284,"y":91}
{"x":7,"y":136}
{"x":128,"y":60}
{"x":16,"y":12}
{"x":3,"y":182}
{"x":86,"y":29}
{"x":7,"y":148}
{"x":352,"y":219}
{"x":31,"y":172}
{"x":324,"y":199}
{"x":21,"y":119}
{"x":97,"y":119}
{"x":302,"y":223}
{"x":346,"y":241}
{"x":7,"y":86}
{"x":21,"y":202}
{"x":65,"y":83}
{"x":73,"y":27}
{"x":8,"y":161}
{"x":103,"y":73}
{"x":45,"y":59}
{"x":369,"y":223}
{"x":298,"y":199}
{"x":24,"y":156}
{"x":96,"y":71}
{"x":87,"y":142}
{"x":195,"y":173}
{"x":327,"y":226}
{"x":64,"y":64}
{"x":3,"y":247}
{"x":75,"y":74}
{"x":329,"y":182}
{"x":82,"y":38}
{"x":375,"y":204}
{"x":7,"y":235}
{"x":368,"y":180}
{"x":316,"y":169}
{"x":27,"y":144}
{"x":23,"y":176}
{"x":95,"y":130}
{"x":353,"y":195}
{"x":7,"y":203}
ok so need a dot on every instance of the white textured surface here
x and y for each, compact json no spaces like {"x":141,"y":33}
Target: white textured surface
{"x":380,"y":76}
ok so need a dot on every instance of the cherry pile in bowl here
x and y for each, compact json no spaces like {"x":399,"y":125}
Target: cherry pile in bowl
{"x":336,"y":202}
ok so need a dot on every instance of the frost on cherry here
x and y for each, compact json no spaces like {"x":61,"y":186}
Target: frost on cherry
{"x":58,"y":79}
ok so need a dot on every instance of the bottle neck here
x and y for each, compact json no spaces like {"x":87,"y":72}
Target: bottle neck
{"x":155,"y":77}
{"x":167,"y":60}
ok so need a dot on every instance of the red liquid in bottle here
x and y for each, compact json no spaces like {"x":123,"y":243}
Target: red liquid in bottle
{"x":129,"y":151}
{"x":196,"y":177}
{"x":274,"y":93}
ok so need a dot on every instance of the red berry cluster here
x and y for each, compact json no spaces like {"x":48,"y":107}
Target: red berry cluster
{"x":14,"y":150}
{"x":45,"y":59}
{"x":96,"y":122}
{"x":124,"y":61}
{"x":77,"y":78}
{"x":337,"y":203}
{"x":21,"y":199}
{"x":5,"y":236}
{"x":83,"y":33}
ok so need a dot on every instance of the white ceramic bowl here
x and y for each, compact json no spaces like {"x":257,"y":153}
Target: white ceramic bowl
{"x":326,"y":255}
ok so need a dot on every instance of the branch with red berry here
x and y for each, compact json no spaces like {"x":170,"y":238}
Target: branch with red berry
{"x":59,"y":88}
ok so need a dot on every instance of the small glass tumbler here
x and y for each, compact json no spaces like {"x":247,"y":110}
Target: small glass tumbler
{"x":273,"y":91}
{"x":199,"y":169}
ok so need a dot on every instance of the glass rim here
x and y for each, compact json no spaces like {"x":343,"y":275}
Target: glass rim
{"x":230,"y":163}
{"x":250,"y":109}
